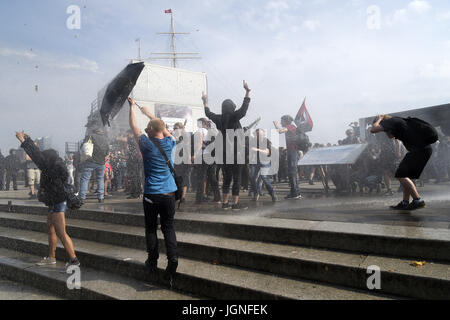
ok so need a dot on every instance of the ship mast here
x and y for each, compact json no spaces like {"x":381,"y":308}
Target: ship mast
{"x":174,"y":56}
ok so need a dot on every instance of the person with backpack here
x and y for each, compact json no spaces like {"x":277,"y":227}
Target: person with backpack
{"x":417,"y":136}
{"x":2,"y":170}
{"x":292,"y":148}
{"x":95,"y":163}
{"x":53,"y":193}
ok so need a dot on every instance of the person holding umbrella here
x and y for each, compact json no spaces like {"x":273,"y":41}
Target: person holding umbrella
{"x":160,"y":188}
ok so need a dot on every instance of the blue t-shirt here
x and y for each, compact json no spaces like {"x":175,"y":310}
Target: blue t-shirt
{"x":158,"y":178}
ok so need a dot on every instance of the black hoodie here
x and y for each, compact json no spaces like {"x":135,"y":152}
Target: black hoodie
{"x":230,"y":117}
{"x":54,"y":173}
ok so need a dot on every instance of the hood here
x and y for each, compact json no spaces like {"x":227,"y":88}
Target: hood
{"x":228,"y":107}
{"x":50,"y":157}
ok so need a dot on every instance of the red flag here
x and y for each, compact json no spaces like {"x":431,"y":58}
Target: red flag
{"x":303,"y":119}
{"x":168,"y":11}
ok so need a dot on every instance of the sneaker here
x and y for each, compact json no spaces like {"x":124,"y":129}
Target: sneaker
{"x":389,"y":193}
{"x":403,"y":205}
{"x":46,"y":262}
{"x":256,"y":198}
{"x":101,"y":200}
{"x":73,"y":262}
{"x":274,"y":197}
{"x":291,"y":197}
{"x":226,"y":206}
{"x":238,"y":207}
{"x":416,"y":204}
{"x":311,"y":183}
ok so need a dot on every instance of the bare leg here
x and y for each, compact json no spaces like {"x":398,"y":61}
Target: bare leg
{"x":226,"y":197}
{"x":409,"y":189}
{"x":235,"y":200}
{"x":59,"y":222}
{"x":387,"y":180}
{"x":52,"y":239}
{"x":32,"y":189}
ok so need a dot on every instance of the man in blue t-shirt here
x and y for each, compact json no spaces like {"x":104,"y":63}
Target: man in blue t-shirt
{"x":159,"y":189}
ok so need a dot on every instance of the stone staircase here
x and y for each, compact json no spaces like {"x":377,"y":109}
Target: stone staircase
{"x":229,"y":257}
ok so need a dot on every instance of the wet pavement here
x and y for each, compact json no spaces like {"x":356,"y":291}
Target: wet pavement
{"x":10,"y":290}
{"x":315,"y":206}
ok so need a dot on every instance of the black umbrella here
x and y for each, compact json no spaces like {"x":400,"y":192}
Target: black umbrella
{"x":118,"y":91}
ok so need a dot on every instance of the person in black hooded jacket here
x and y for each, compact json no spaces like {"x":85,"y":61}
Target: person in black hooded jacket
{"x":52,"y":193}
{"x":2,"y":170}
{"x":230,"y":120}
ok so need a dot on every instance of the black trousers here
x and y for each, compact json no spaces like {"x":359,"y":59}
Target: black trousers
{"x":205,"y":172}
{"x":164,"y":206}
{"x":11,"y":176}
{"x":2,"y":178}
{"x":231,"y":172}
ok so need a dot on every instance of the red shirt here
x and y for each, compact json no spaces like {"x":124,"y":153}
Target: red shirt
{"x":290,"y":137}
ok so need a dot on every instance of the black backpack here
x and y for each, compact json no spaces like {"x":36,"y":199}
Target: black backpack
{"x":302,"y":140}
{"x":423,"y":132}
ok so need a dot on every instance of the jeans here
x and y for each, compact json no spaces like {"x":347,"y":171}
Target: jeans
{"x":292,"y":157}
{"x":164,"y":206}
{"x":254,"y":174}
{"x":86,"y":173}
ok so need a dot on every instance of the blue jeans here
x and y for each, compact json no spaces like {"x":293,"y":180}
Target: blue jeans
{"x":86,"y":173}
{"x":60,"y":207}
{"x":292,"y":158}
{"x":254,"y":171}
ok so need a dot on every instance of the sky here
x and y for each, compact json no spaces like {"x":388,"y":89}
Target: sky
{"x":350,"y":58}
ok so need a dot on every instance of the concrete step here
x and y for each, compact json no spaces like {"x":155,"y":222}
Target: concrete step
{"x":395,"y":241}
{"x":12,"y":290}
{"x":194,"y":277}
{"x":20,"y":267}
{"x":338,"y":268}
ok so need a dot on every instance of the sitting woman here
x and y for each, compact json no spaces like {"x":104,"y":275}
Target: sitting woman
{"x":52,"y":193}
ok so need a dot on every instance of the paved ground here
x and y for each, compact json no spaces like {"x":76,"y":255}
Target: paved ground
{"x":10,"y":290}
{"x":367,"y":209}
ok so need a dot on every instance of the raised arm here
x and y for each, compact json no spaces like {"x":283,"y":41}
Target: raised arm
{"x":280,"y":130}
{"x":210,"y":115}
{"x":243,"y":110}
{"x":136,"y":131}
{"x":376,"y":127}
{"x":31,"y":149}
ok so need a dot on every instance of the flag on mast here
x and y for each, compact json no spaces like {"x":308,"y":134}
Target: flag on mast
{"x":303,"y":119}
{"x":168,"y":11}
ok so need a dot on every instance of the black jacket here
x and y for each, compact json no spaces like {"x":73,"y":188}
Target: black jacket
{"x":229,"y":119}
{"x":101,"y":148}
{"x":12,"y":163}
{"x":2,"y":161}
{"x":54,"y":173}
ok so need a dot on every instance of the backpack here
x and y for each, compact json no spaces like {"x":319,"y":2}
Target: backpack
{"x":423,"y":132}
{"x":302,"y":141}
{"x":87,"y":149}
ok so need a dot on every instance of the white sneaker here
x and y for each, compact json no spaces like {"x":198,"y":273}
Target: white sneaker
{"x":46,"y":262}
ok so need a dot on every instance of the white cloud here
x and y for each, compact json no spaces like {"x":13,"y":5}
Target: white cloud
{"x":52,"y":61}
{"x":419,"y":6}
{"x":416,"y":7}
{"x":311,"y":24}
{"x":435,"y":70}
{"x":8,"y":52}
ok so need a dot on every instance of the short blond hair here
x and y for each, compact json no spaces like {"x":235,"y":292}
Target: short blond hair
{"x":156,"y":125}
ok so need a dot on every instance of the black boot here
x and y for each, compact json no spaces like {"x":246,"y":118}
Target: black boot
{"x":171,"y":270}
